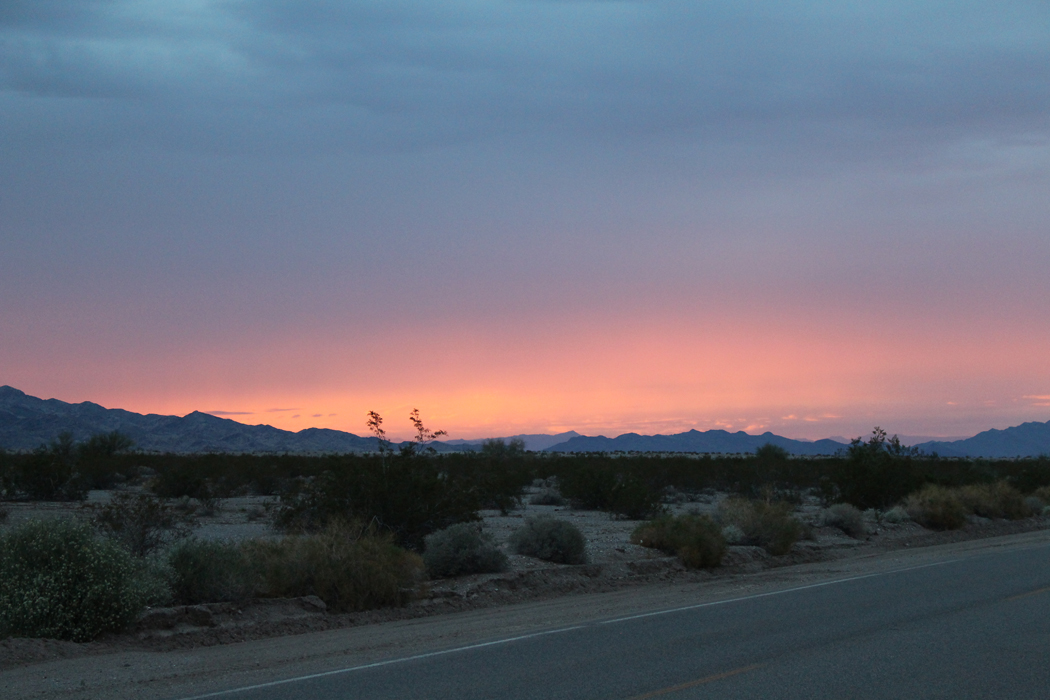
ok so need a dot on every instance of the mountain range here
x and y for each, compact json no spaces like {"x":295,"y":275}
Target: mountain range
{"x":27,"y":422}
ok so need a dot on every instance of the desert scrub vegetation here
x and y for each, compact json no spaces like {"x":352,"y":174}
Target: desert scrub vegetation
{"x":847,"y":518}
{"x":694,"y":538}
{"x":210,"y":571}
{"x":349,"y":566}
{"x":768,"y":525}
{"x":946,"y":508}
{"x":59,"y":579}
{"x":142,"y":523}
{"x":936,"y":507}
{"x":550,"y":539}
{"x":611,"y":484}
{"x":462,"y":549}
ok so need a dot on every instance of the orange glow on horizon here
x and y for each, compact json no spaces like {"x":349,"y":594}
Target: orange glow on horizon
{"x":652,"y":377}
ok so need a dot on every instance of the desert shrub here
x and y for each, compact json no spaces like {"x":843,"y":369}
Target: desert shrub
{"x":1032,"y":505}
{"x":50,"y":473}
{"x":550,"y":539}
{"x":462,"y":549}
{"x":846,"y":518}
{"x":896,"y":515}
{"x":1043,"y":494}
{"x":95,"y":458}
{"x":998,"y":500}
{"x":210,"y":571}
{"x":879,"y":472}
{"x":695,"y":539}
{"x":348,"y":566}
{"x":408,"y":494}
{"x":142,"y":523}
{"x":190,"y":478}
{"x":733,"y":535}
{"x":769,"y":525}
{"x":4,"y":512}
{"x":547,"y":497}
{"x":60,"y":579}
{"x":608,"y":484}
{"x":936,"y":507}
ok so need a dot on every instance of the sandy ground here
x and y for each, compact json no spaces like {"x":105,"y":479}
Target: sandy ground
{"x":189,"y":650}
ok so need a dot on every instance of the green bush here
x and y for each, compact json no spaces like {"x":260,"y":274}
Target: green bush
{"x":348,"y":566}
{"x":846,"y":518}
{"x":936,"y":507}
{"x":60,"y":579}
{"x":548,"y":538}
{"x":210,"y":571}
{"x":768,"y":525}
{"x":695,"y":539}
{"x":462,"y":549}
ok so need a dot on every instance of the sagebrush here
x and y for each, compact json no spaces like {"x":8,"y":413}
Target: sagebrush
{"x":847,"y":518}
{"x":462,"y":549}
{"x":550,"y":539}
{"x":768,"y":525}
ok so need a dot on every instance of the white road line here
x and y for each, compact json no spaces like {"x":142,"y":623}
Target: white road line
{"x":772,"y":593}
{"x":482,"y":645}
{"x":388,"y":662}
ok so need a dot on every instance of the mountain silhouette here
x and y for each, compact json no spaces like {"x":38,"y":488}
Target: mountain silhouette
{"x":27,"y":422}
{"x":1025,"y":440}
{"x":711,"y":441}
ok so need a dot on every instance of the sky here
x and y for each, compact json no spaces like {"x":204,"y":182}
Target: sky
{"x":532,"y":216}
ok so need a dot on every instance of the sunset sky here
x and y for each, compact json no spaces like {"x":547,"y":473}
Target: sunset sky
{"x":810,"y":218}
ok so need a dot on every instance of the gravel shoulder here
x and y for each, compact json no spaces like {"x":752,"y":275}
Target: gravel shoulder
{"x":188,"y":651}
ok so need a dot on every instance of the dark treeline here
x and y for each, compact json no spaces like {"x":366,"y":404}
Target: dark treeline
{"x":415,"y":492}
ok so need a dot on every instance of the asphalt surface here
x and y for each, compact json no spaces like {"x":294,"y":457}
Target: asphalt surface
{"x":975,"y":627}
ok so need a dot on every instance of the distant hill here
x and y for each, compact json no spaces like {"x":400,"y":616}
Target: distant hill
{"x":26,"y":422}
{"x":1025,"y":440}
{"x":535,"y":443}
{"x":710,"y":441}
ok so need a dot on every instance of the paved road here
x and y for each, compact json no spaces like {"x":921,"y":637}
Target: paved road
{"x":977,"y":627}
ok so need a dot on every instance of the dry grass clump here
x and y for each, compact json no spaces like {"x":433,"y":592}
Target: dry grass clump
{"x":946,"y":508}
{"x":936,"y":507}
{"x":999,"y":500}
{"x":550,"y":539}
{"x":847,"y":518}
{"x":348,"y":566}
{"x":462,"y":549}
{"x":695,"y":539}
{"x":768,"y":525}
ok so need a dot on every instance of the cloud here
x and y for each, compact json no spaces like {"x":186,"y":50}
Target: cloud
{"x":229,"y":413}
{"x":379,"y":76}
{"x":281,"y":410}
